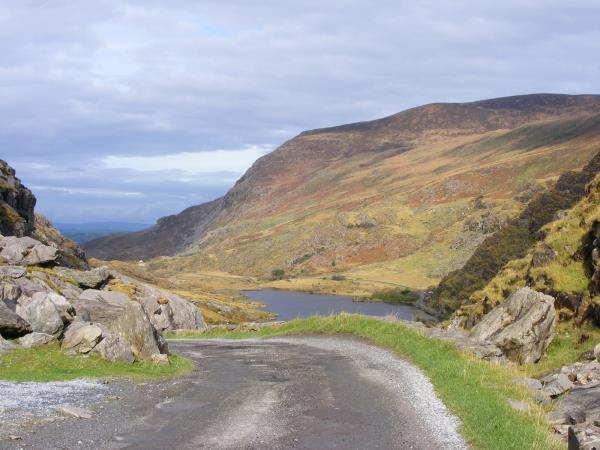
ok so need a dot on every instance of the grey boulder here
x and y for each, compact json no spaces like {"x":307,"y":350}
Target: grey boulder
{"x":81,"y":337}
{"x":88,"y":279}
{"x":48,"y":313}
{"x":114,"y":348}
{"x":122,"y":316}
{"x":36,"y":339}
{"x":522,"y":327}
{"x":11,"y":324}
{"x":26,"y":251}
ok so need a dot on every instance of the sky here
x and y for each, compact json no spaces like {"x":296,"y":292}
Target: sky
{"x":126,"y":110}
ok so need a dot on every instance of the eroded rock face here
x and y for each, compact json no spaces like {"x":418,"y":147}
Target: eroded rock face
{"x":522,"y":327}
{"x":11,"y":324}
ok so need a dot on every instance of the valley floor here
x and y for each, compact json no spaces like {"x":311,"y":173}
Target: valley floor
{"x":294,"y":392}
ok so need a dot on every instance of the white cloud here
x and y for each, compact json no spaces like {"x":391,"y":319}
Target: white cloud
{"x":191,"y":162}
{"x":86,"y":191}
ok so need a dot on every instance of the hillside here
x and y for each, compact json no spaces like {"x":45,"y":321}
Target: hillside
{"x":405,"y":199}
{"x":564,"y":261}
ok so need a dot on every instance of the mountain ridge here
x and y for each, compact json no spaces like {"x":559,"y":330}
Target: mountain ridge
{"x":312,"y":182}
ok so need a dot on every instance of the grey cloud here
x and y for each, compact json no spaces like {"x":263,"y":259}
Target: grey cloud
{"x":82,"y":80}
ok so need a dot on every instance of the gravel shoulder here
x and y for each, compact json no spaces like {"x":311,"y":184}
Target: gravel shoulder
{"x":279,"y":393}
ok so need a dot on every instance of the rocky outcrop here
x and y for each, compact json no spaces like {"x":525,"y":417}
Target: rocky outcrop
{"x":16,"y":204}
{"x":522,"y":327}
{"x":70,"y":254}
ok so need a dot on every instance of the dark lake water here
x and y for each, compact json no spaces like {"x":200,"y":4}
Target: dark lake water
{"x":292,"y":305}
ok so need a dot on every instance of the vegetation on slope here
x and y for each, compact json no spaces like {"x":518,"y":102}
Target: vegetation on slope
{"x":560,"y":264}
{"x":476,"y":391}
{"x":49,"y":363}
{"x":513,"y":241}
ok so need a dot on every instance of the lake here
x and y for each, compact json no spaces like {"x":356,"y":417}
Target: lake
{"x":292,"y":305}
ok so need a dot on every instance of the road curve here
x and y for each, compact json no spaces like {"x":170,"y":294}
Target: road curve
{"x":281,"y":393}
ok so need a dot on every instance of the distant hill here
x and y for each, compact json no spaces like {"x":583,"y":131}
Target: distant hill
{"x":405,"y":199}
{"x":84,"y":232}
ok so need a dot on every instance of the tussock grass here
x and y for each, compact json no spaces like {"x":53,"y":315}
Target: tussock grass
{"x":49,"y":363}
{"x":476,"y":391}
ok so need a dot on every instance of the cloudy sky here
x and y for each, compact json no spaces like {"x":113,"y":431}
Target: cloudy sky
{"x":130,"y":110}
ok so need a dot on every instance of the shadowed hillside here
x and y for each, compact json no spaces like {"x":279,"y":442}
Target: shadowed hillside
{"x":405,"y":199}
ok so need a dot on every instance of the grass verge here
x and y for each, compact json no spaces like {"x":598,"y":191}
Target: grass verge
{"x":476,"y":391}
{"x":49,"y":363}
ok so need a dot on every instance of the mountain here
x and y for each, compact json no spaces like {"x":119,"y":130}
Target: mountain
{"x":87,"y":231}
{"x":18,"y":218}
{"x":407,"y":198}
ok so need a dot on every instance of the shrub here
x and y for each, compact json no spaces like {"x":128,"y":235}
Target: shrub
{"x":396,"y":295}
{"x":278,"y":274}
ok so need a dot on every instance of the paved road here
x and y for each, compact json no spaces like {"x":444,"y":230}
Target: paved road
{"x":286,"y":393}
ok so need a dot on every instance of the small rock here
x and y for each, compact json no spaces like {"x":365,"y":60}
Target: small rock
{"x":160,"y":359}
{"x":559,"y":385}
{"x":518,"y":405}
{"x":531,"y":383}
{"x":14,"y":437}
{"x":36,"y":339}
{"x":558,"y":418}
{"x":597,"y":351}
{"x":74,"y":411}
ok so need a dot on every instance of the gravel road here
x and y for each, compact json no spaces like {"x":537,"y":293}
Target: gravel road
{"x":284,"y":393}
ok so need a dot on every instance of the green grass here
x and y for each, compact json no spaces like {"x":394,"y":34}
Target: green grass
{"x":566,"y":347}
{"x":476,"y":391}
{"x":49,"y":363}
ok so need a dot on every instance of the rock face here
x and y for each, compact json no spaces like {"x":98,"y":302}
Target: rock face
{"x":11,"y":324}
{"x":16,"y":204}
{"x":522,"y":327}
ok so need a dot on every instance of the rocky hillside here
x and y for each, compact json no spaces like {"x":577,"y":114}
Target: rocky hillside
{"x":564,"y":261}
{"x":405,"y":199}
{"x":96,"y":312}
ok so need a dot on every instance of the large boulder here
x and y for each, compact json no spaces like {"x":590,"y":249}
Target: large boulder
{"x":135,"y":327}
{"x":36,"y":339}
{"x":16,"y":204}
{"x":122,"y":316}
{"x":48,"y":312}
{"x":167,"y":311}
{"x":81,"y":337}
{"x":88,"y":279}
{"x":26,"y":251}
{"x":522,"y":327}
{"x":11,"y":324}
{"x":114,"y":348}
